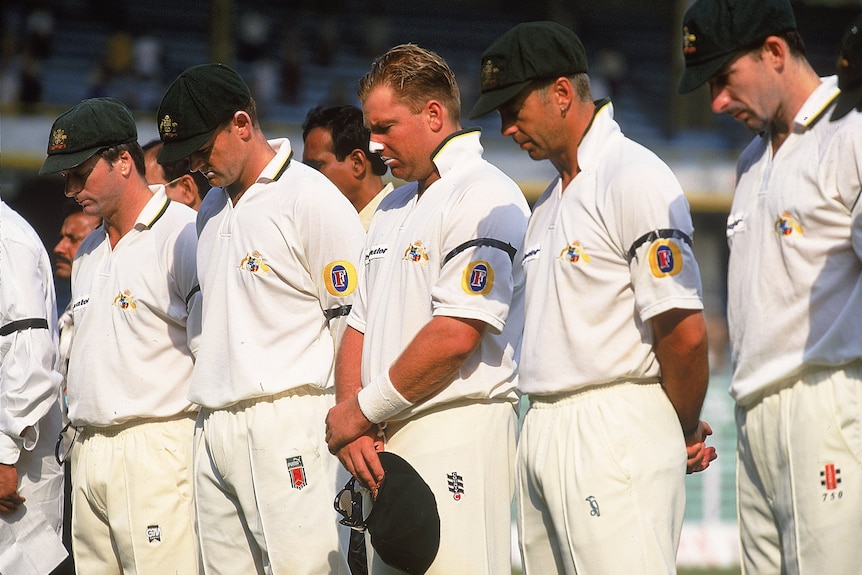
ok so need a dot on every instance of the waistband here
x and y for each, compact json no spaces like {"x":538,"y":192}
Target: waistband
{"x":810,"y":375}
{"x":114,"y":430}
{"x":302,"y":390}
{"x":554,"y":399}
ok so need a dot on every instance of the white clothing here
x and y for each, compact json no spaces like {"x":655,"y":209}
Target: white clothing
{"x":475,"y":216}
{"x":132,"y":509}
{"x":278,"y":271}
{"x":601,"y":482}
{"x":132,"y":356}
{"x":367,"y":213}
{"x":601,"y":459}
{"x":29,"y":387}
{"x":795,"y":236}
{"x":602,"y":258}
{"x":271,"y":268}
{"x":799,"y":495}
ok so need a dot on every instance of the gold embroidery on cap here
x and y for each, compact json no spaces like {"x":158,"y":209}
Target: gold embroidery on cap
{"x":688,"y":40}
{"x":167,"y":127}
{"x":489,"y":74}
{"x":58,"y":140}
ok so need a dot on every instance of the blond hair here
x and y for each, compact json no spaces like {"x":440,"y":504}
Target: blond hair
{"x":415,"y":75}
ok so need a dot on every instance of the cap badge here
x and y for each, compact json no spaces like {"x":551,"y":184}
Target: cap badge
{"x":167,"y":127}
{"x":489,"y":74}
{"x":58,"y":140}
{"x":688,"y":40}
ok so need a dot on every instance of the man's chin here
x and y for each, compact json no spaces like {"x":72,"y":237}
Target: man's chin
{"x":63,"y":271}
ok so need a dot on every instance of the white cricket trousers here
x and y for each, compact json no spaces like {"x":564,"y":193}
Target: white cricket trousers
{"x":265,"y":486}
{"x":799,"y":476}
{"x":600,"y":482}
{"x":465,"y":453}
{"x":132,"y":508}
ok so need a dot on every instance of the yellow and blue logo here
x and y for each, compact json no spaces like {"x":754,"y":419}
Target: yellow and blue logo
{"x":575,"y":253}
{"x":478,"y":278}
{"x":126,"y":302}
{"x":416,"y":252}
{"x":665,"y":258}
{"x":254,"y":263}
{"x":340,"y":278}
{"x":787,"y":225}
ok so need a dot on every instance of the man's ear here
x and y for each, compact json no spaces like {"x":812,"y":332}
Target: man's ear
{"x":358,"y":163}
{"x":186,"y":191}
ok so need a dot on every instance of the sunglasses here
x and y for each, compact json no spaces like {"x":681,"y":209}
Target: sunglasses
{"x":64,"y":444}
{"x":348,"y":503}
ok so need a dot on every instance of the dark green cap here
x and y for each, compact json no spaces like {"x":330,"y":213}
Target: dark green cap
{"x":199,"y":100}
{"x":849,"y":69}
{"x":714,"y":31}
{"x":529,"y":51}
{"x":82,"y":131}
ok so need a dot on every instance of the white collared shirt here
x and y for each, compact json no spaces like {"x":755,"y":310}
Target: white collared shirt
{"x":445,"y":254}
{"x":132,"y":355}
{"x":602,"y":258}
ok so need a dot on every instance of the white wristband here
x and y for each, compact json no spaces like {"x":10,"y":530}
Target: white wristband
{"x":379,"y":400}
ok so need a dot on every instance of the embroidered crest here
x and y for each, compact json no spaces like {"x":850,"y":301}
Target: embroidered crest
{"x":665,"y":258}
{"x":339,"y":278}
{"x":575,"y":253}
{"x":489,"y":74}
{"x":126,"y":302}
{"x":456,"y":485}
{"x":154,"y":533}
{"x":58,"y":140}
{"x":167,"y":127}
{"x":254,"y":263}
{"x":688,"y":41}
{"x":787,"y":225}
{"x":478,"y":278}
{"x":297,"y":472}
{"x":416,"y":253}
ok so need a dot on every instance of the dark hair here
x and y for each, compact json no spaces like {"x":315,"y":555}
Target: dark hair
{"x":345,"y":125}
{"x":113,"y":153}
{"x":179,"y":168}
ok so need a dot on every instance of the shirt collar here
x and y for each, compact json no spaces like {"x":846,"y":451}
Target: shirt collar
{"x":601,"y":127}
{"x":154,"y":208}
{"x":817,"y":103}
{"x":279,"y":163}
{"x":451,"y":151}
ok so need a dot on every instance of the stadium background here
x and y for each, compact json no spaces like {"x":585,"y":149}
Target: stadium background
{"x":298,"y":54}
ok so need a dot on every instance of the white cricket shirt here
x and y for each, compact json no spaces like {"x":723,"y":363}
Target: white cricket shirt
{"x":131,"y":356}
{"x":795,"y":236}
{"x":601,"y":258}
{"x":448,"y":253}
{"x":273,"y":268}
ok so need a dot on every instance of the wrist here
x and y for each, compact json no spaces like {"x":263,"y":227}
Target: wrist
{"x":379,"y":401}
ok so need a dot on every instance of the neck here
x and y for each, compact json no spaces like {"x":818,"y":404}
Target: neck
{"x":123,"y":220}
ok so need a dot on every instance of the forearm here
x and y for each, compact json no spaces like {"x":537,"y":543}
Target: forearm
{"x":348,"y":365}
{"x":681,"y":350}
{"x":432,"y":360}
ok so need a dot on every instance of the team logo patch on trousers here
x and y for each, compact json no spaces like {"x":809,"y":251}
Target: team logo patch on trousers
{"x":456,"y":485}
{"x":154,"y":533}
{"x":297,"y":472}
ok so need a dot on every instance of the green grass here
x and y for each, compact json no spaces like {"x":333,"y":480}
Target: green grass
{"x":686,"y":571}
